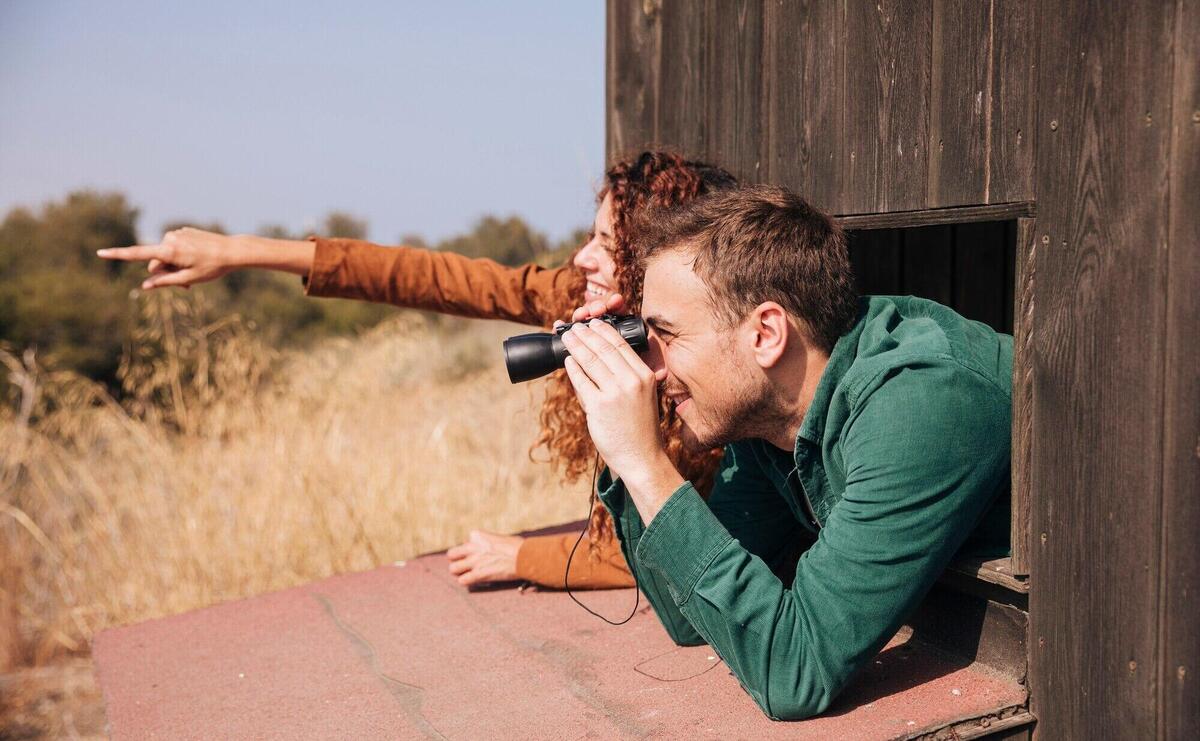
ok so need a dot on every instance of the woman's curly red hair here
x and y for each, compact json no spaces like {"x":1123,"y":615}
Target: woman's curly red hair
{"x":651,"y":179}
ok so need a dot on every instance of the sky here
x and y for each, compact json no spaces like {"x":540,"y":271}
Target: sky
{"x":416,"y":116}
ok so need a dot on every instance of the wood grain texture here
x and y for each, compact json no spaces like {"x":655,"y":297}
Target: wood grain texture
{"x":1011,"y":129}
{"x":632,"y":59}
{"x":887,"y":48}
{"x":805,"y":81}
{"x":683,"y":85}
{"x":928,"y":217}
{"x":1179,"y":669}
{"x":1023,"y":320}
{"x":960,"y":103}
{"x":1103,"y":80}
{"x":736,"y":107}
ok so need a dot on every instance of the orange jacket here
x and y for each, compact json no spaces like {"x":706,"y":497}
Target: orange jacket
{"x":452,"y":284}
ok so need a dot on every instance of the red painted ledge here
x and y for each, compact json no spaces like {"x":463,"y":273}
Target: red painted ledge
{"x":404,"y":652}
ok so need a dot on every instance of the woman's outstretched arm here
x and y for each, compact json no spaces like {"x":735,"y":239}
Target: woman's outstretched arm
{"x":440,"y":281}
{"x":352,"y":268}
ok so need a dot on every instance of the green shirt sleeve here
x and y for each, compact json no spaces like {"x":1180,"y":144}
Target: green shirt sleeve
{"x":926,"y":452}
{"x":742,"y":497}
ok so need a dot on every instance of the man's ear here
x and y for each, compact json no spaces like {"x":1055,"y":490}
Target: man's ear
{"x":770,"y":331}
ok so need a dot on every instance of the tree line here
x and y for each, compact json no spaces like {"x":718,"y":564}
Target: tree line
{"x":80,"y":312}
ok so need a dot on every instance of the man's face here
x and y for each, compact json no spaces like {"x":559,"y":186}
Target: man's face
{"x":712,"y":381}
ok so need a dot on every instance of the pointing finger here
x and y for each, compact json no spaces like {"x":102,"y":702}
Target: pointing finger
{"x":137,"y":252}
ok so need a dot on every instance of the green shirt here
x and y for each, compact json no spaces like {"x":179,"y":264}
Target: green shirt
{"x":903,"y":450}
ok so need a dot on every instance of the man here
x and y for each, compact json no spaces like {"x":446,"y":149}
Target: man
{"x":880,"y":426}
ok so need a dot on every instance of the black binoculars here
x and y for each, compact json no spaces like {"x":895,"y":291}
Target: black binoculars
{"x":530,"y":356}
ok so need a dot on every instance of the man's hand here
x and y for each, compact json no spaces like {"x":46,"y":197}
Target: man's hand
{"x":484,"y":558}
{"x":619,"y":394}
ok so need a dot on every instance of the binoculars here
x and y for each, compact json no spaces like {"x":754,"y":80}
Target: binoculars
{"x":530,"y":356}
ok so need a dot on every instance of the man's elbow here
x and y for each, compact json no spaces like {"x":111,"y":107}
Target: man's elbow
{"x":801,"y":701}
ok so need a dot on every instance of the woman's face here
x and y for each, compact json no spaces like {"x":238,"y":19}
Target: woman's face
{"x":596,"y":257}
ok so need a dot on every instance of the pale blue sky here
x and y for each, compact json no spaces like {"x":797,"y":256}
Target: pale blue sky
{"x":418,"y":116}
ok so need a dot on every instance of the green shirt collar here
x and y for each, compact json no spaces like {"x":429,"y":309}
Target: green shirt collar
{"x":843,"y":356}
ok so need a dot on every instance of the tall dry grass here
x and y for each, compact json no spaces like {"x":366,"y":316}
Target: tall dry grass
{"x":228,"y":471}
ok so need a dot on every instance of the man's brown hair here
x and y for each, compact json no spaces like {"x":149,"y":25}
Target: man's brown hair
{"x":761,"y":243}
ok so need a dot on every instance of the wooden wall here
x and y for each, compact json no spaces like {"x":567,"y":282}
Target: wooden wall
{"x":862,"y":109}
{"x":1116,"y":325}
{"x":1089,"y":109}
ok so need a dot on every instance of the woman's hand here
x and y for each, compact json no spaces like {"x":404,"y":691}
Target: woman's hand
{"x":485,"y":557}
{"x":184,"y":257}
{"x":614,"y":304}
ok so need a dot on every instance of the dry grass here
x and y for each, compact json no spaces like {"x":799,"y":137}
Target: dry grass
{"x":232,"y":473}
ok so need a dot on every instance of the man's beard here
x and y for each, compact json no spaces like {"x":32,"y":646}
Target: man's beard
{"x":753,"y":412}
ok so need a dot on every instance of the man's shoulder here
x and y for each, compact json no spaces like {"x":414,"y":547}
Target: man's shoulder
{"x":905,"y":333}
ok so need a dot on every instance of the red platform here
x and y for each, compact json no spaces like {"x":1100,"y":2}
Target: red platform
{"x":404,"y":652}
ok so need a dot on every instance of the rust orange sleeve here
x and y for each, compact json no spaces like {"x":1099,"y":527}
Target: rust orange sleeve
{"x":436,"y":281}
{"x":542,"y":560}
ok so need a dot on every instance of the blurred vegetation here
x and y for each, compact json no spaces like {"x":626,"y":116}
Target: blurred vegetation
{"x":82,"y":313}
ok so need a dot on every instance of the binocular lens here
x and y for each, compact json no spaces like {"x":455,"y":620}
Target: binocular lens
{"x":530,"y":356}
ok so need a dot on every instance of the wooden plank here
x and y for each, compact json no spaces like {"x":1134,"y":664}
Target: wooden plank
{"x":998,"y":571}
{"x":979,"y":272}
{"x":734,"y":70}
{"x":1103,"y":84}
{"x":1179,"y":670}
{"x":1011,"y":130}
{"x":928,"y":262}
{"x":928,"y":217}
{"x":887,"y":51}
{"x":960,"y":103}
{"x":1024,"y":319}
{"x":631,"y":76}
{"x":682,"y":123}
{"x":875,"y":258}
{"x":805,"y":80}
{"x":1015,"y":727}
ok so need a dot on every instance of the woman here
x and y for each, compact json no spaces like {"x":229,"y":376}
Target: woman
{"x":450,"y":283}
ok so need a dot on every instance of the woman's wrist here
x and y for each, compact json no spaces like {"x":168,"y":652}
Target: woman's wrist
{"x":287,"y":255}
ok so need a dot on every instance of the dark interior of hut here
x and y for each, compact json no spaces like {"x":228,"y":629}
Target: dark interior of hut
{"x":970,"y":267}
